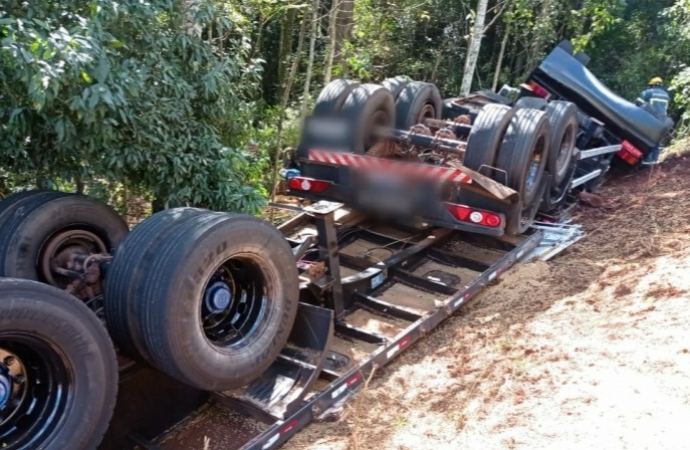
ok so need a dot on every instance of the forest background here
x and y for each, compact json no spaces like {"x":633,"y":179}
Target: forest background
{"x":189,"y":102}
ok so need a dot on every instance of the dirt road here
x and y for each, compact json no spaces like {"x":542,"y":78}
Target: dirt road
{"x":591,"y":350}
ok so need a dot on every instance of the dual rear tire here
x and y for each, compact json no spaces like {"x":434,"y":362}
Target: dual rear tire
{"x":514,"y":142}
{"x":397,"y":102}
{"x":208,"y":298}
{"x":539,"y":138}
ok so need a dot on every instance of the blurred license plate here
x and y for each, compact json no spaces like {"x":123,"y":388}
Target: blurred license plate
{"x":388,"y":195}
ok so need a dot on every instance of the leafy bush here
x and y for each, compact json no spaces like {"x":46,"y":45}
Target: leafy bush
{"x":129,"y":91}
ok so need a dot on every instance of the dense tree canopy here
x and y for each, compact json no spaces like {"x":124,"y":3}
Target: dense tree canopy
{"x":162,"y":98}
{"x":123,"y":91}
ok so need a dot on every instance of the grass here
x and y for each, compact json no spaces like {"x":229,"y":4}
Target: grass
{"x":677,"y":149}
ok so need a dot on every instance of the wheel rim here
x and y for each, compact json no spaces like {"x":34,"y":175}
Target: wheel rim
{"x":564,"y":151}
{"x":40,"y":393}
{"x":427,"y":112}
{"x":235,"y":301}
{"x":535,"y":165}
{"x":67,"y":255}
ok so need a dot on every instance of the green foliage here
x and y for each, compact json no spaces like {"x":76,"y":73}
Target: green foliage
{"x":678,"y":31}
{"x":593,"y":19}
{"x":265,"y":137}
{"x":633,"y":49}
{"x":123,"y":91}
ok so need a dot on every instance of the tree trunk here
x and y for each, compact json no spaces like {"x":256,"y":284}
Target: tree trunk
{"x":330,"y":54}
{"x":437,"y":63}
{"x":310,"y":65}
{"x":256,"y":46}
{"x":344,"y":25}
{"x":474,"y":47}
{"x":283,"y":107}
{"x":542,"y":19}
{"x":79,"y":184}
{"x":501,"y":54}
{"x":190,"y":8}
{"x":285,"y":46}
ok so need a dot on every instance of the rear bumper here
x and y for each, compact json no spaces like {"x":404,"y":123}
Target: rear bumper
{"x":431,"y":210}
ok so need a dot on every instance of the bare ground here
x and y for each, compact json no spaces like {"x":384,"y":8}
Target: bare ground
{"x":591,"y":350}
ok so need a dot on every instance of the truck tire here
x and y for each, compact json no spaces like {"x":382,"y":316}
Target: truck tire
{"x":450,"y":110}
{"x":68,"y":364}
{"x":417,"y":101}
{"x":395,"y":85}
{"x":531,"y":103}
{"x":10,"y":204}
{"x":140,"y":246}
{"x":524,"y":152}
{"x":555,"y":196}
{"x":213,"y":302}
{"x":331,"y":99}
{"x":563,"y":122}
{"x":483,"y":144}
{"x":517,"y":224}
{"x":48,"y":225}
{"x":369,"y":105}
{"x":486,"y":136}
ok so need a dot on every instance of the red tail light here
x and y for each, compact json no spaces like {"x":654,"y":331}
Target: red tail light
{"x":629,"y":153}
{"x":309,"y":184}
{"x":476,"y":216}
{"x":540,"y":91}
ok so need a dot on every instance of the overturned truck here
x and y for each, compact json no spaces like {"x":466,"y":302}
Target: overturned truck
{"x":419,"y":202}
{"x":490,"y":165}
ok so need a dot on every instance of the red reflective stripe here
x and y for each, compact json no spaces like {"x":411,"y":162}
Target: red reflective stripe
{"x":288,"y":427}
{"x":353,"y":380}
{"x":368,"y":162}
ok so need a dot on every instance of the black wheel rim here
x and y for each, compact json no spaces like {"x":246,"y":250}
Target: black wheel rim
{"x":40,"y":393}
{"x":535,"y":166}
{"x":236,"y":301}
{"x":565,"y":150}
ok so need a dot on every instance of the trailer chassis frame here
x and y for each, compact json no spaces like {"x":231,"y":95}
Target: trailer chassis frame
{"x":352,"y":293}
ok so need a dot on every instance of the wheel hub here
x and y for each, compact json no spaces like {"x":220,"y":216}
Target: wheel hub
{"x":218,"y":297}
{"x":12,"y":380}
{"x":234,"y":301}
{"x":70,"y":260}
{"x":39,"y":390}
{"x":5,"y":386}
